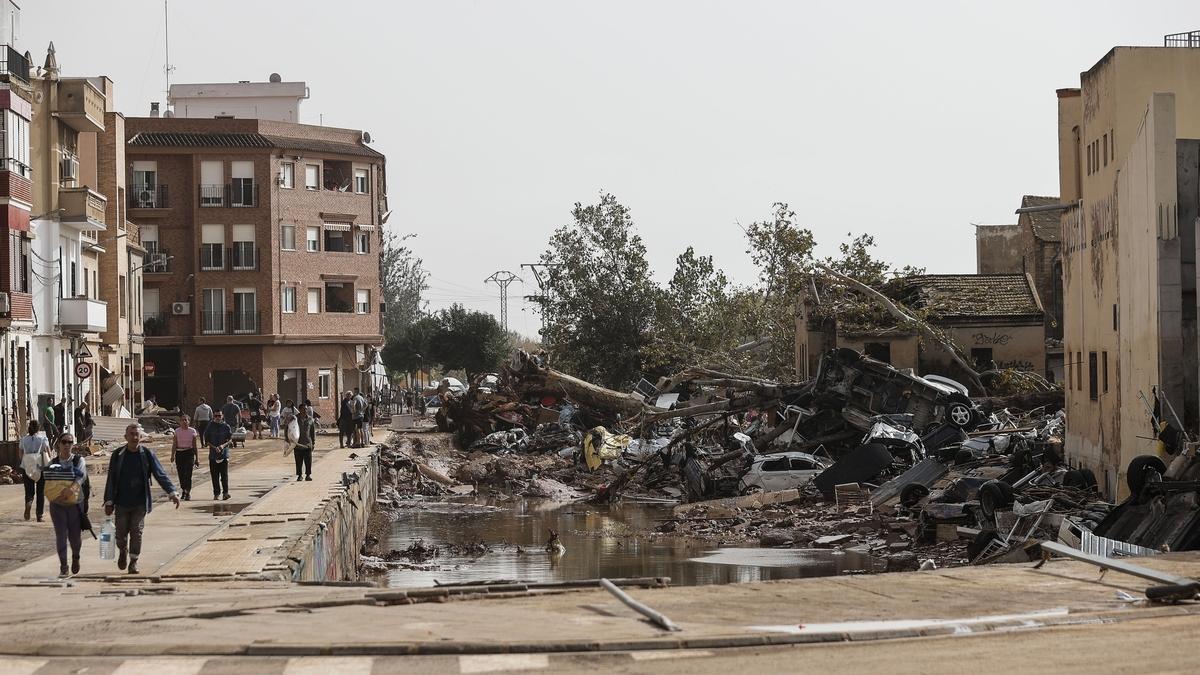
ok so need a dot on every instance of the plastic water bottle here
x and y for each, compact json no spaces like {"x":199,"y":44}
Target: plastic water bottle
{"x":107,"y":534}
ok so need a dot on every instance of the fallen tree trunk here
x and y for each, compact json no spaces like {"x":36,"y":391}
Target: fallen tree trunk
{"x":532,"y":376}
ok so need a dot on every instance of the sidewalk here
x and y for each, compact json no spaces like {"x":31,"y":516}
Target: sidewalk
{"x":256,"y":470}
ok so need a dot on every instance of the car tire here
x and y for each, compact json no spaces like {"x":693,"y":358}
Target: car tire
{"x":994,"y":495}
{"x":1139,"y":471}
{"x":960,"y":413}
{"x":912,"y":493}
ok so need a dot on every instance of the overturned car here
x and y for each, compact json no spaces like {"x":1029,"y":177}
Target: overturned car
{"x":864,"y":388}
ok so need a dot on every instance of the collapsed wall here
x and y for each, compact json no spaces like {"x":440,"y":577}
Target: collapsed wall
{"x":329,"y":550}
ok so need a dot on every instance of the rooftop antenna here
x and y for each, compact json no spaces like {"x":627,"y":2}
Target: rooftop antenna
{"x":167,"y":67}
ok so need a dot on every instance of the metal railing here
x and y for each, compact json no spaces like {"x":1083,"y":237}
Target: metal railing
{"x":148,"y":196}
{"x":154,"y":324}
{"x":156,"y":260}
{"x":1188,"y":39}
{"x":212,"y":257}
{"x":243,"y":256}
{"x":14,"y":64}
{"x":235,"y":195}
{"x":247,"y":322}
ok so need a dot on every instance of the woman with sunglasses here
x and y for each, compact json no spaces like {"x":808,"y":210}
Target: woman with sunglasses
{"x":69,"y":503}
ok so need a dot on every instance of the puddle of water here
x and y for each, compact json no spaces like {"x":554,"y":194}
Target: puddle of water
{"x":599,"y":542}
{"x":223,"y":509}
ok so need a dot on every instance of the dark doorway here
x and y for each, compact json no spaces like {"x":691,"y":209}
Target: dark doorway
{"x":880,"y":351}
{"x":235,"y":383}
{"x":166,"y":384}
{"x":292,"y":384}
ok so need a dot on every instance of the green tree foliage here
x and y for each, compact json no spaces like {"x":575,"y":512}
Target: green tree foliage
{"x":452,"y":339}
{"x":468,"y":340}
{"x":599,"y":304}
{"x":402,"y":280}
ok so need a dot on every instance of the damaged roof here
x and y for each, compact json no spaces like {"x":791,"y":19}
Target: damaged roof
{"x":972,"y":296}
{"x":1046,"y":224}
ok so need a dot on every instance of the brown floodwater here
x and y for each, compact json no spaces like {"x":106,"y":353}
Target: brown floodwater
{"x":600,"y":541}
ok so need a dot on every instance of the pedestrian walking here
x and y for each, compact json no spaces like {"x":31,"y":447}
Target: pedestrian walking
{"x":305,"y":442}
{"x":50,"y":426}
{"x":83,"y":423}
{"x":217,"y":439}
{"x":256,"y":416}
{"x":274,"y":414}
{"x":369,"y":418}
{"x":232,"y":411}
{"x":185,"y":452}
{"x":35,"y":455}
{"x":203,"y":416}
{"x":60,"y":414}
{"x":358,"y":407}
{"x":127,"y":494}
{"x":345,"y":421}
{"x":67,"y":490}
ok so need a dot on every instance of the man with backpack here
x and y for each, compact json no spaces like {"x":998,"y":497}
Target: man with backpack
{"x":217,"y":437}
{"x":127,"y":494}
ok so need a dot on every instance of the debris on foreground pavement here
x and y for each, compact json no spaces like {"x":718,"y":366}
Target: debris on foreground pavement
{"x":863,"y":456}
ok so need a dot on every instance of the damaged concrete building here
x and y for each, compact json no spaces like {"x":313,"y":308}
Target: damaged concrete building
{"x":1032,"y":246}
{"x":996,"y":319}
{"x":1129,"y":172}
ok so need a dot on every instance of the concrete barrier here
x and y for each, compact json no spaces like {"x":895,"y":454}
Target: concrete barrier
{"x":328,"y":551}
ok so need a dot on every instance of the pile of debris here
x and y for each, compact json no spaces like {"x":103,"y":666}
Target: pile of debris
{"x":906,"y":467}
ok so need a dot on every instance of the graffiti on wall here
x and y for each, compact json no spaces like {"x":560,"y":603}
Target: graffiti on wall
{"x":1015,"y":364}
{"x":991,"y":338}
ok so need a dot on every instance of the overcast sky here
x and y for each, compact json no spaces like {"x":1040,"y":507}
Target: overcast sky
{"x":906,"y":120}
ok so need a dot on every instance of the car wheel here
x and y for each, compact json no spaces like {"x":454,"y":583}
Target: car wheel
{"x":994,"y":496}
{"x":959,"y":412}
{"x":912,"y":493}
{"x":1144,"y":469}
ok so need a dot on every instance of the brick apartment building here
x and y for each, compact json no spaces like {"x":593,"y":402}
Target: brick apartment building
{"x":268,"y":233}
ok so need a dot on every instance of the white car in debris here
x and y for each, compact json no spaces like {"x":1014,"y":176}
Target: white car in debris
{"x":782,"y":471}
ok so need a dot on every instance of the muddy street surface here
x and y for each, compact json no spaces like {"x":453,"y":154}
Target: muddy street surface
{"x":485,"y":539}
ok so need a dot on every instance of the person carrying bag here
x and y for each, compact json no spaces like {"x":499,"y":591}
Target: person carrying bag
{"x":67,"y":489}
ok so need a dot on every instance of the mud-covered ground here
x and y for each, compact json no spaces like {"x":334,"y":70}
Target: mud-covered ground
{"x":421,"y":468}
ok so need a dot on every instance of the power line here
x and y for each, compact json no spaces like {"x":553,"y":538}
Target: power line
{"x":502,"y":279}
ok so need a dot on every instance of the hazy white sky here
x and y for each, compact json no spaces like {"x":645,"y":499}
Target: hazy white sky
{"x":906,"y":120}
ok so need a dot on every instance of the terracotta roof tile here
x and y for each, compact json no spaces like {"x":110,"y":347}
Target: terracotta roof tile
{"x":1046,"y":224}
{"x":971,"y":295}
{"x":199,"y":140}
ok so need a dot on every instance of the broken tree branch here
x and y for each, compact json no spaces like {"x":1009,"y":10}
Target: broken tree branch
{"x":906,"y":317}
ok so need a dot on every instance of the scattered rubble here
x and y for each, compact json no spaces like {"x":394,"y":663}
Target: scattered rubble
{"x":863,"y":457}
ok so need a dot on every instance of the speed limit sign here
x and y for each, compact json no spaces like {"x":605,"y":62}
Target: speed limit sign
{"x":83,"y":370}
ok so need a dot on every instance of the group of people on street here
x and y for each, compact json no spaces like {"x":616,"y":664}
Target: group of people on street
{"x":356,"y":416}
{"x":53,"y":471}
{"x":60,"y":476}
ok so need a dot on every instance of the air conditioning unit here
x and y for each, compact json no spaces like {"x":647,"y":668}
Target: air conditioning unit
{"x":5,"y":308}
{"x":181,"y":308}
{"x":145,"y":199}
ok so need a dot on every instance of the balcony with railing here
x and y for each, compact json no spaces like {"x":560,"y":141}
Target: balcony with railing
{"x":148,"y":196}
{"x":248,"y":322}
{"x":81,"y":105}
{"x":237,"y":195}
{"x":15,"y":180}
{"x":82,"y":207}
{"x":82,"y":315}
{"x":243,"y":256}
{"x":154,"y":324}
{"x":13,"y":64}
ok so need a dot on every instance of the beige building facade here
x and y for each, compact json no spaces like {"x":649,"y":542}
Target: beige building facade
{"x":1128,"y":168}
